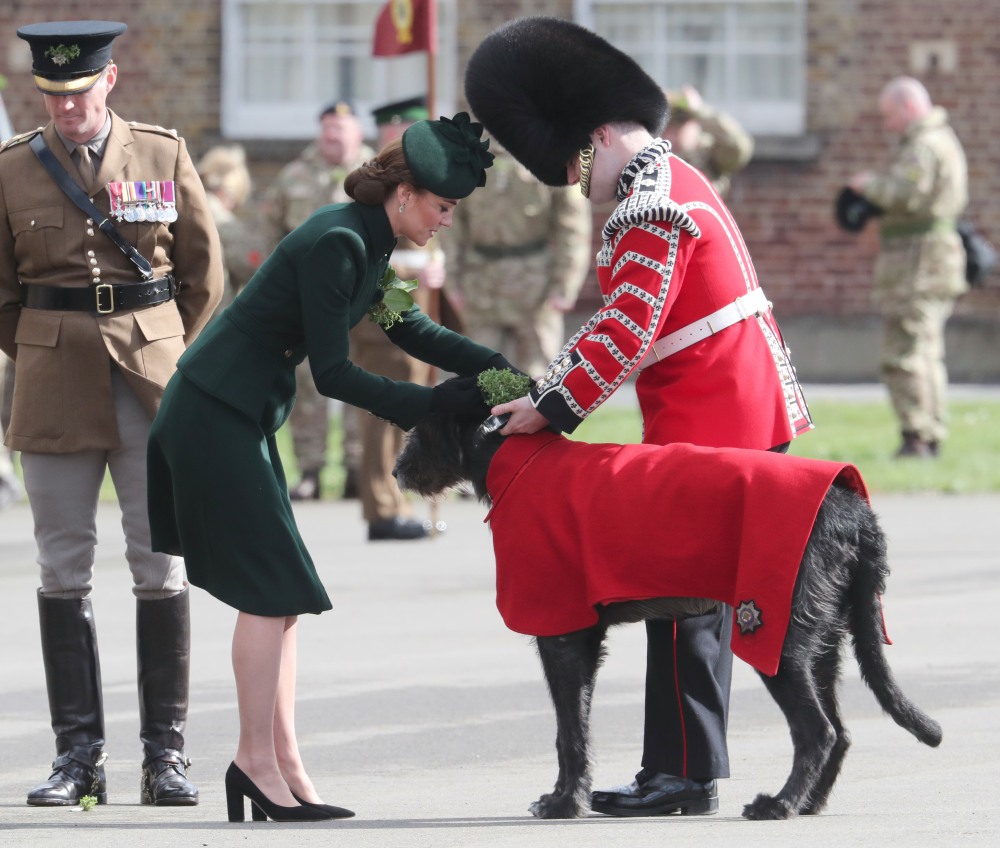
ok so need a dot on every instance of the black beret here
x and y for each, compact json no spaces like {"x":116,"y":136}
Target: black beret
{"x":67,"y":57}
{"x":339,"y":107}
{"x":853,"y":210}
{"x":542,"y":85}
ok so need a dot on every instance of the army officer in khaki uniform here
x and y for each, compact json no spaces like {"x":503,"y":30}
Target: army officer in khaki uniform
{"x":95,"y":345}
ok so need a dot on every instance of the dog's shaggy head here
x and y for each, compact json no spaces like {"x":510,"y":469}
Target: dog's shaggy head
{"x":445,"y":450}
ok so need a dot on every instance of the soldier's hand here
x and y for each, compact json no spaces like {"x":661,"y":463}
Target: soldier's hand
{"x":524,"y":418}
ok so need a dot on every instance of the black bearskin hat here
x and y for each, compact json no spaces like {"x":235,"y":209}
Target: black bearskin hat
{"x":542,"y":85}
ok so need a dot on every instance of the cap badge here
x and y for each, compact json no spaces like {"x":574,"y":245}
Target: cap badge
{"x":61,"y":54}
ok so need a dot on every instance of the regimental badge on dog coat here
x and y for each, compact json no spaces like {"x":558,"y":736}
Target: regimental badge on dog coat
{"x":577,"y":525}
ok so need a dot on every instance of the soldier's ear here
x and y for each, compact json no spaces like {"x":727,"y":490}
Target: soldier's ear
{"x":111,"y":76}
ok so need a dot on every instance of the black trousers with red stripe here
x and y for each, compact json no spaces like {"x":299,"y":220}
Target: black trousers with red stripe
{"x":689,"y":670}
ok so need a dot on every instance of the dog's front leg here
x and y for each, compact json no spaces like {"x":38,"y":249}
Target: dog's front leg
{"x":570,"y":663}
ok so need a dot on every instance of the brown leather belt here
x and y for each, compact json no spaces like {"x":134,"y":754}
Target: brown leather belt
{"x":101,"y":299}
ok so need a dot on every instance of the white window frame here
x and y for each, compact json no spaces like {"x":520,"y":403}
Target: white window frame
{"x":760,"y":116}
{"x":392,"y":78}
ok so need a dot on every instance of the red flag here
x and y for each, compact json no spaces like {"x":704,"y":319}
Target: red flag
{"x":406,"y":26}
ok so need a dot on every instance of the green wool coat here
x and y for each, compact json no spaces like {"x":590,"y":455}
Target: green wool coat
{"x":217,"y":491}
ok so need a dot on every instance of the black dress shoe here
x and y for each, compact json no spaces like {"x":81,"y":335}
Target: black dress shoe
{"x":401,"y":529}
{"x":658,"y":794}
{"x":239,"y":786}
{"x":331,"y":811}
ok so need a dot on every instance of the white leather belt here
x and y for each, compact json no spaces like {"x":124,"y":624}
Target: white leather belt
{"x":751,"y":303}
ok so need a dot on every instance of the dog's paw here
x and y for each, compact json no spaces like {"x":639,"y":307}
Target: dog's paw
{"x":766,"y":808}
{"x":554,"y":806}
{"x":812,"y":808}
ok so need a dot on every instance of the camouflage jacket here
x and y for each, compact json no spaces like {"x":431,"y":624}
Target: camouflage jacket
{"x":517,"y":242}
{"x":723,"y":148}
{"x":923,"y":192}
{"x":301,"y":187}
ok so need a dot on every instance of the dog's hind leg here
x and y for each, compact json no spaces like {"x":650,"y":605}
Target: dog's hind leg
{"x":826,"y":673}
{"x":813,"y":737}
{"x":570,"y":663}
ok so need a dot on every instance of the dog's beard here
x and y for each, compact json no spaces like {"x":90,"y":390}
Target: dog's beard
{"x":444,"y":452}
{"x":428,"y":464}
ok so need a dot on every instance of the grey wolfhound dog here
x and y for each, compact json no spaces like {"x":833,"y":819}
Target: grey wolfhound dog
{"x":836,"y":594}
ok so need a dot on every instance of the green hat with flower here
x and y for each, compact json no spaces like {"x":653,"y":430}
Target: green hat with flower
{"x":448,"y":156}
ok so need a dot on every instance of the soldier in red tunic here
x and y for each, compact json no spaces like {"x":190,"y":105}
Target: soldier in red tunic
{"x":682,"y":309}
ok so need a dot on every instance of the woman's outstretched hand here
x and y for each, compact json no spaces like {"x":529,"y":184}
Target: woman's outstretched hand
{"x":459,"y":395}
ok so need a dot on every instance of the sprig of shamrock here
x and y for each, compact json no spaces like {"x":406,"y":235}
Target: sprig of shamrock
{"x":501,"y":385}
{"x":396,"y":299}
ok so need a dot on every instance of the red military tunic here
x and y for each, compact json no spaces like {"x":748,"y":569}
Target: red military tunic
{"x":576,"y":525}
{"x":672,"y":255}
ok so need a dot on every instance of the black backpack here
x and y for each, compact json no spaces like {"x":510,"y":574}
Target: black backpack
{"x":980,"y":255}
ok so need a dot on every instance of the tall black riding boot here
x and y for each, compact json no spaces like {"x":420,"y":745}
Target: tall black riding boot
{"x":73,"y":678}
{"x":163,"y":643}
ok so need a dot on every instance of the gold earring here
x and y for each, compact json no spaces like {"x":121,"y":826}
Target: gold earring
{"x":586,"y":166}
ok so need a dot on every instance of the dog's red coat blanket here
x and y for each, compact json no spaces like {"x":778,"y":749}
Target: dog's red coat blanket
{"x":576,"y":525}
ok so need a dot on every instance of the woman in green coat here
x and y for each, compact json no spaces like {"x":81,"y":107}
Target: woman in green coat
{"x":217,"y":491}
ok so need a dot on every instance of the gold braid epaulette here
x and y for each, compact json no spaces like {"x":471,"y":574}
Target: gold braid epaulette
{"x":20,"y":138}
{"x":156,"y":128}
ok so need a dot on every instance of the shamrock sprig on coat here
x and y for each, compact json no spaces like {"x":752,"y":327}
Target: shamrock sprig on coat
{"x":396,"y":299}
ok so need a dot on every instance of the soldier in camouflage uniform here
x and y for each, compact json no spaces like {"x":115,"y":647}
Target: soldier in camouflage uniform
{"x":710,"y":140}
{"x":518,"y":253}
{"x":313,"y":180}
{"x":223,"y":171}
{"x":920,"y":269}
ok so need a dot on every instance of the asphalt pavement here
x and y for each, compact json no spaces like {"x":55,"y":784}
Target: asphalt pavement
{"x":421,"y":712}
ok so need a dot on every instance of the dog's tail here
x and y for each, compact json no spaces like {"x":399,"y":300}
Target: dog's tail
{"x":867,"y":631}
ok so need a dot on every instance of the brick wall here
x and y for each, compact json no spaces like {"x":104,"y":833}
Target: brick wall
{"x":168,"y":62}
{"x":170,"y":74}
{"x":785,"y":207}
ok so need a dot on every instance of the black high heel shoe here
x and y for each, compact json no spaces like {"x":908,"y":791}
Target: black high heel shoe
{"x":330,"y":810}
{"x":239,"y":786}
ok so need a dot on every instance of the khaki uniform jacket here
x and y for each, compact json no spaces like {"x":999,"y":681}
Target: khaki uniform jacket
{"x":62,"y":396}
